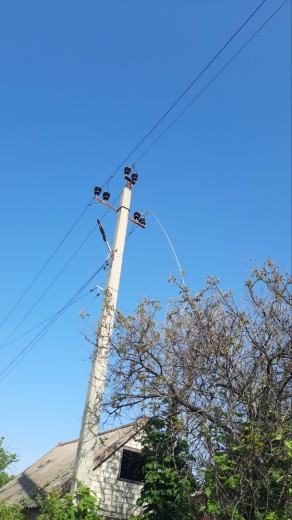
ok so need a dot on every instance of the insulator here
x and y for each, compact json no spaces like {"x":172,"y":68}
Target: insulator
{"x":97,"y":191}
{"x":127,"y":170}
{"x":142,"y":221}
{"x":134,"y":178}
{"x":137,"y":215}
{"x":106,"y":195}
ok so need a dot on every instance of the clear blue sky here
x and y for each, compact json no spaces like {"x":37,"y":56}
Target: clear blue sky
{"x":82,"y":82}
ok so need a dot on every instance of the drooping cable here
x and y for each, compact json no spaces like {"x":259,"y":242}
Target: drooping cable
{"x":171,"y":245}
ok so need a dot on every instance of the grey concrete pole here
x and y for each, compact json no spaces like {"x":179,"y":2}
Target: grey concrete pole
{"x":88,"y":441}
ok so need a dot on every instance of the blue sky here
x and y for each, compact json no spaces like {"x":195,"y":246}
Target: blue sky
{"x":82,"y":82}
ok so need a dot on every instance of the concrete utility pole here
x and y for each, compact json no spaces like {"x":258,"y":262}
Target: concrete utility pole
{"x":88,"y":441}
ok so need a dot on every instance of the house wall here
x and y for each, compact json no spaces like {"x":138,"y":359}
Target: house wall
{"x":117,"y":497}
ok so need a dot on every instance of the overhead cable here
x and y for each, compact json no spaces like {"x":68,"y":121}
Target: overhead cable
{"x":4,"y":344}
{"x":209,"y":83}
{"x":171,"y":245}
{"x":48,"y":288}
{"x":44,"y":266}
{"x":104,"y":266}
{"x":185,"y":92}
{"x":133,"y":151}
{"x":17,"y":359}
{"x":20,"y":356}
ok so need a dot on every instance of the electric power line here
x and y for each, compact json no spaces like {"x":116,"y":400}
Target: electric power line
{"x":44,"y":321}
{"x":5,"y":344}
{"x":44,"y":266}
{"x":126,"y":158}
{"x":188,"y":106}
{"x":23,"y":352}
{"x":47,"y":288}
{"x":33,"y":328}
{"x":171,"y":245}
{"x":184,"y":92}
{"x":210,"y":82}
{"x":17,"y":359}
{"x":104,"y":266}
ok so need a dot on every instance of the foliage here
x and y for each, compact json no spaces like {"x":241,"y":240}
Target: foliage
{"x":6,"y":458}
{"x":10,"y":512}
{"x":167,"y":472}
{"x":53,"y":506}
{"x":250,"y":477}
{"x":68,"y":507}
{"x":227,"y":365}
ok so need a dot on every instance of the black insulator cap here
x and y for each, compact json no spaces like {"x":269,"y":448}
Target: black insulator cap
{"x":142,"y":221}
{"x":134,"y":177}
{"x":127,"y":170}
{"x":106,"y":195}
{"x":97,"y":191}
{"x":137,"y":215}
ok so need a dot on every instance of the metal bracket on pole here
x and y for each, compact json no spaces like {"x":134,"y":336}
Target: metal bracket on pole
{"x":104,"y":235}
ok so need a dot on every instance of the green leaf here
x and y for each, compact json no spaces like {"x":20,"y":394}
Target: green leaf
{"x":212,"y":506}
{"x":232,"y":482}
{"x":208,"y":491}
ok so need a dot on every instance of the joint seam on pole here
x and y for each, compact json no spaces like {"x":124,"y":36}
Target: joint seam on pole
{"x":128,"y":209}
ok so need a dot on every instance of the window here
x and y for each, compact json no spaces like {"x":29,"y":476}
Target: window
{"x":132,"y":466}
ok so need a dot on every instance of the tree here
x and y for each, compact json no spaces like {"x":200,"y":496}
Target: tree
{"x":227,"y":365}
{"x":6,"y":458}
{"x":167,"y":471}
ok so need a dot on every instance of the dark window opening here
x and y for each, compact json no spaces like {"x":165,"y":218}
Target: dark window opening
{"x":132,"y":466}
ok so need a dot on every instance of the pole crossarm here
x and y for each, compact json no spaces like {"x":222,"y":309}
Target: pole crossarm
{"x":119,"y":209}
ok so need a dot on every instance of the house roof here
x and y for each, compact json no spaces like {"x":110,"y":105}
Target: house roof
{"x":55,"y":469}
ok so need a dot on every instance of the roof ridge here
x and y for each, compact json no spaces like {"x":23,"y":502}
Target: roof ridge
{"x":101,"y":433}
{"x":119,"y":428}
{"x":61,"y":443}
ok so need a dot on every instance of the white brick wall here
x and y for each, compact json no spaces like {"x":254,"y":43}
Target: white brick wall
{"x":117,"y":497}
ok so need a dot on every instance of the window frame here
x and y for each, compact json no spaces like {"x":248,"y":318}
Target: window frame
{"x":138,"y":452}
